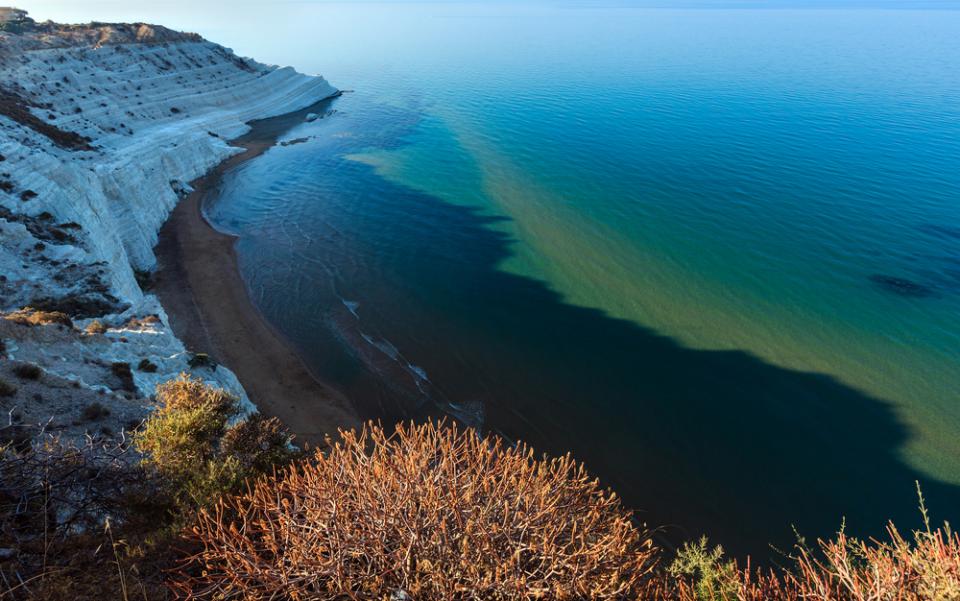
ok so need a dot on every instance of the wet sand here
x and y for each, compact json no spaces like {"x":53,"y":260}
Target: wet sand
{"x":199,"y":284}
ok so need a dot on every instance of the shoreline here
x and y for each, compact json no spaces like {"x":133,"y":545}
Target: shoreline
{"x":199,"y":285}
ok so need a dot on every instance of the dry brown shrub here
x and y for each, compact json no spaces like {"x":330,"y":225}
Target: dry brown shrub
{"x":136,"y":323}
{"x":29,"y":316}
{"x":54,"y":499}
{"x":926,"y":568}
{"x":429,"y":512}
{"x":96,"y":327}
{"x":922,"y":567}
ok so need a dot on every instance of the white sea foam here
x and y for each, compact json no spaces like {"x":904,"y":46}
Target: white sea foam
{"x":383,"y":345}
{"x":419,"y":371}
{"x":351,"y":306}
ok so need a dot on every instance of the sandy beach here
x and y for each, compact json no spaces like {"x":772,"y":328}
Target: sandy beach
{"x":200,"y":286}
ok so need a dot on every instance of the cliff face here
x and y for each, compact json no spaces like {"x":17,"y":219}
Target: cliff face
{"x":100,"y":128}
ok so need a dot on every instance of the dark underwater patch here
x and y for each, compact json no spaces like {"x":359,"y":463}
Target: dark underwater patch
{"x":902,"y":286}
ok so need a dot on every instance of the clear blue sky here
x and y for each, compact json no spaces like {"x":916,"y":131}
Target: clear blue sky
{"x":313,"y":34}
{"x":185,"y":10}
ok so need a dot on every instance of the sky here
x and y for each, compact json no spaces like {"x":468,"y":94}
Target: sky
{"x":180,"y":11}
{"x":318,"y":33}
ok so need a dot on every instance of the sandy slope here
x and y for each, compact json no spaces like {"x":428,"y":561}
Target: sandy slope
{"x":200,"y":285}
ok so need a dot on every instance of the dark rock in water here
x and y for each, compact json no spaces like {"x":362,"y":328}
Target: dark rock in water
{"x":902,"y":286}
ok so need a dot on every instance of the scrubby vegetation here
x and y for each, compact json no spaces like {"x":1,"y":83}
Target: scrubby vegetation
{"x":121,"y":369}
{"x":30,"y":316}
{"x":198,"y":360}
{"x":93,"y":412}
{"x":431,"y":511}
{"x":101,"y":520}
{"x":204,"y":505}
{"x":27,"y":371}
{"x":189,"y":444}
{"x":54,"y":499}
{"x":96,"y":327}
{"x":142,"y":322}
{"x":922,"y":567}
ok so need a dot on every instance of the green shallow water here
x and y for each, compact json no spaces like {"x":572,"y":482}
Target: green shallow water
{"x":734,"y":293}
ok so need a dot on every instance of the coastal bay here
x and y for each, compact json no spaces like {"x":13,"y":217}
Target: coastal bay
{"x":209,"y":307}
{"x":561,"y":300}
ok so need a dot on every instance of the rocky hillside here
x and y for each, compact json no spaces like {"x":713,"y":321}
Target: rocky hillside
{"x":101,"y":126}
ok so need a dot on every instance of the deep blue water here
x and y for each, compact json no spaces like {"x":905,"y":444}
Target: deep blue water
{"x":713,"y":253}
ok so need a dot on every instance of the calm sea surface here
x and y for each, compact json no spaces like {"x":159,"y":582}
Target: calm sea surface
{"x":715,"y":254}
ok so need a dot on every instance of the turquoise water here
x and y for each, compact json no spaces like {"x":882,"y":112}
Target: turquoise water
{"x":715,"y":254}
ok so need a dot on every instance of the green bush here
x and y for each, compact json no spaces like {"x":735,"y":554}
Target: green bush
{"x":189,"y":443}
{"x":711,"y":577}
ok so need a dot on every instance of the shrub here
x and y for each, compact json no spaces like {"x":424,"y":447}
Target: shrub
{"x":96,"y":327}
{"x":7,"y":389}
{"x":185,"y":430}
{"x":198,"y":360}
{"x":922,"y":567}
{"x":259,"y":443}
{"x":146,"y":365}
{"x":53,"y":499}
{"x":121,"y":369}
{"x":93,"y":412}
{"x":710,"y":577}
{"x":142,"y":322}
{"x":27,"y":371}
{"x":427,"y":513}
{"x":29,"y":316}
{"x":188,"y":442}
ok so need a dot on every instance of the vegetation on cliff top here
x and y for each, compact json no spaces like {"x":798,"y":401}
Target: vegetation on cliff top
{"x":204,"y":506}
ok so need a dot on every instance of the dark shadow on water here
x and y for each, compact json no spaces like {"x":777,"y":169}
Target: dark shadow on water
{"x":713,"y":442}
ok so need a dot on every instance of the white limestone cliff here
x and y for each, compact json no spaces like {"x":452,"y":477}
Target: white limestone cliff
{"x":100,"y":128}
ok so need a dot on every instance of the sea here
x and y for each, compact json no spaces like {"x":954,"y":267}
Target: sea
{"x":713,"y":252}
